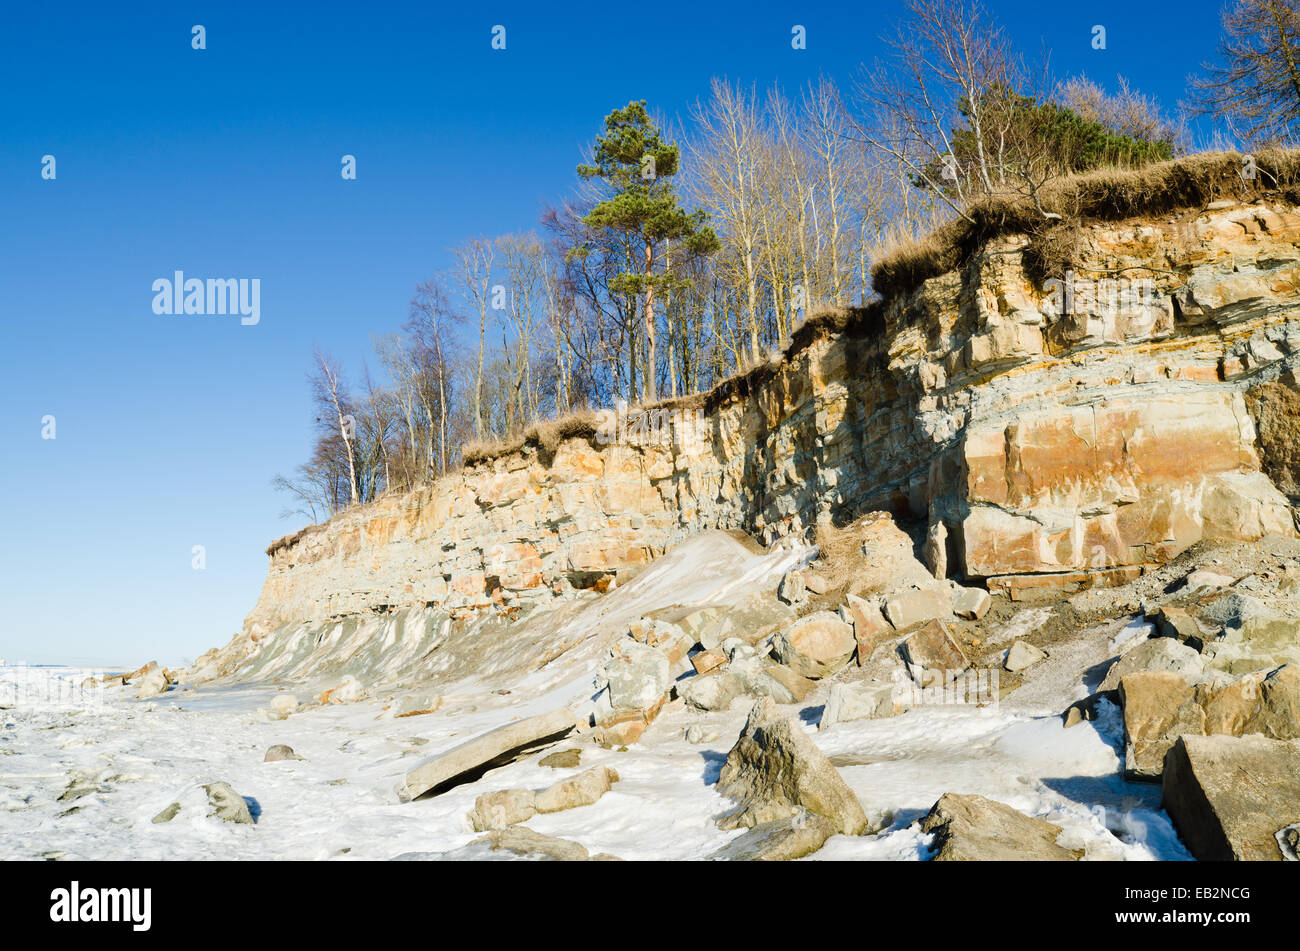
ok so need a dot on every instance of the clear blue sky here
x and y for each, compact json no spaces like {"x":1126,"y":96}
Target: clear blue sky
{"x":225,"y":163}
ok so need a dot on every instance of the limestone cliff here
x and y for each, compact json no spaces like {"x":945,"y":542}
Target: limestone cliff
{"x":1036,"y":429}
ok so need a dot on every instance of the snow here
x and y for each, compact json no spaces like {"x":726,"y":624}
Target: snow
{"x":339,"y":802}
{"x":123,"y":760}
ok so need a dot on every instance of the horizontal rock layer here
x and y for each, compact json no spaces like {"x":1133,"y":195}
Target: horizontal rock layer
{"x":1033,"y":439}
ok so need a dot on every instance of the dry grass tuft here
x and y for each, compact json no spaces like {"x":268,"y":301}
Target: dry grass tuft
{"x":1107,"y":195}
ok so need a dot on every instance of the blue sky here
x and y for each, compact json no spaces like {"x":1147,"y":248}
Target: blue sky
{"x":225,"y":163}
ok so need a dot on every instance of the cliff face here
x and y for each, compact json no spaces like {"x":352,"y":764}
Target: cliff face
{"x":1033,"y":436}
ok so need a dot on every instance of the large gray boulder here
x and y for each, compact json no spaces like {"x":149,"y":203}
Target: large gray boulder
{"x":473,"y":758}
{"x":775,"y":770}
{"x":975,"y":829}
{"x":1233,"y":797}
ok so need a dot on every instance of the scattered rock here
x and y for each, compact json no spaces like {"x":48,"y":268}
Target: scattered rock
{"x":473,"y":758}
{"x":502,"y":808}
{"x":749,"y":620}
{"x":561,"y":759}
{"x":780,"y":840}
{"x":1157,"y":653}
{"x":226,"y":804}
{"x":284,"y":703}
{"x":697,"y":734}
{"x":1233,"y":797}
{"x":636,"y":678}
{"x":815,"y":583}
{"x":971,"y":603}
{"x":775,"y":770}
{"x":1160,"y":706}
{"x":868,"y":701}
{"x":1181,"y":625}
{"x":152,"y":682}
{"x":708,"y":661}
{"x":908,"y":608}
{"x":581,"y":790}
{"x":1203,"y":578}
{"x":816,"y":646}
{"x":525,"y":842}
{"x":279,"y":752}
{"x":932,"y":654}
{"x":761,"y":677}
{"x":167,"y":814}
{"x":347,"y":691}
{"x":792,"y":589}
{"x":870,"y":628}
{"x":416,"y":705}
{"x":714,"y":691}
{"x":1023,"y":655}
{"x":971,"y":828}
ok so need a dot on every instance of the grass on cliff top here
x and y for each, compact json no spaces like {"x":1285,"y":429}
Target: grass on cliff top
{"x":1182,"y":184}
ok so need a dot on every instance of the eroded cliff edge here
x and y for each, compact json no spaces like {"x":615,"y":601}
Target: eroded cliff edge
{"x":1035,"y":439}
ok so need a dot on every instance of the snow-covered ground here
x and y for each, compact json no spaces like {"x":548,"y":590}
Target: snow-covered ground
{"x":134,"y":757}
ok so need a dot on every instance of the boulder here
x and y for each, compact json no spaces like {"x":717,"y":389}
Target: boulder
{"x":691,"y":620}
{"x":226,"y":804}
{"x":971,"y":828}
{"x":775,"y":770}
{"x":912,"y":606}
{"x":1204,"y":579}
{"x":502,"y":808}
{"x":779,"y":841}
{"x":714,"y":691}
{"x":870,"y":629}
{"x":971,"y":603}
{"x":561,"y":759}
{"x":1180,"y":625}
{"x":1157,"y":653}
{"x":1251,"y":635}
{"x":792,"y":589}
{"x":581,"y":790}
{"x":417,"y":704}
{"x":815,"y":583}
{"x":524,"y":842}
{"x":636,"y":678}
{"x":750,"y":620}
{"x":1160,"y":706}
{"x":284,"y":704}
{"x":761,"y":677}
{"x":863,"y":701}
{"x":152,"y":683}
{"x":1233,"y":797}
{"x":816,"y":646}
{"x":696,"y":734}
{"x":473,"y":758}
{"x":1023,"y":655}
{"x":933,"y":654}
{"x":279,"y":753}
{"x":705,"y":662}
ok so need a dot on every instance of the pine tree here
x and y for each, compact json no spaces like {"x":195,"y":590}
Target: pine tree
{"x":637,"y":165}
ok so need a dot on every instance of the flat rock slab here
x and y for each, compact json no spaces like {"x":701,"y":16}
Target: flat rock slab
{"x":976,"y":829}
{"x":1233,"y":797}
{"x":473,"y":758}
